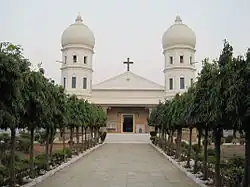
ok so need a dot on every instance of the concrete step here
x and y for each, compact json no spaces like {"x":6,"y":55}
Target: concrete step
{"x":127,"y":138}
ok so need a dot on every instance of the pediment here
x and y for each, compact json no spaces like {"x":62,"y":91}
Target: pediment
{"x":128,"y":81}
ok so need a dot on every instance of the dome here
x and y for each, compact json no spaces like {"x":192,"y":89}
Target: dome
{"x":78,"y":33}
{"x":178,"y":34}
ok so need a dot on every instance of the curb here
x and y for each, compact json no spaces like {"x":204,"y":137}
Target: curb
{"x":53,"y":171}
{"x":188,"y":174}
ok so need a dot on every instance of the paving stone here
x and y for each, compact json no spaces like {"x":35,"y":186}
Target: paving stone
{"x":120,"y":165}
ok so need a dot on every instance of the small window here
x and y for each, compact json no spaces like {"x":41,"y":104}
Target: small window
{"x":64,"y":82}
{"x":181,"y":59}
{"x":191,"y":81}
{"x":85,"y":60}
{"x":171,"y":60}
{"x":84,"y":83}
{"x":74,"y":58}
{"x":73,"y":82}
{"x":191,"y":60}
{"x":170,"y":84}
{"x":182,"y":83}
{"x":65,"y":59}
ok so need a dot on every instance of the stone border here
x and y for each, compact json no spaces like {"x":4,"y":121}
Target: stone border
{"x":188,"y":174}
{"x":53,"y":171}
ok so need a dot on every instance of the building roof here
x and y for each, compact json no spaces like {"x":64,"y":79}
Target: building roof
{"x":127,"y":81}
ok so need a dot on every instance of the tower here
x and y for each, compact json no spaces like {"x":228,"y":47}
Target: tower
{"x":77,"y":52}
{"x":178,"y":44}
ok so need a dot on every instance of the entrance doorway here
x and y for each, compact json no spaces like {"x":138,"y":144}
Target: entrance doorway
{"x":128,"y":123}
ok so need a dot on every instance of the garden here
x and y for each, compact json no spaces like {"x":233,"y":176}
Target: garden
{"x":38,"y":108}
{"x":219,"y":100}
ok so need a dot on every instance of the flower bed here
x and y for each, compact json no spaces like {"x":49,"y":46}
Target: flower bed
{"x":231,"y":169}
{"x":58,"y":161}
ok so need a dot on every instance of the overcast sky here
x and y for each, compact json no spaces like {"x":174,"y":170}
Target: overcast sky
{"x":123,"y":28}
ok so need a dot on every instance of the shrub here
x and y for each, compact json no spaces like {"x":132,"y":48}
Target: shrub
{"x":58,"y":157}
{"x":24,"y":135}
{"x":23,"y":144}
{"x":222,"y":140}
{"x":195,"y":147}
{"x":242,"y":141}
{"x":235,"y":141}
{"x":184,"y":145}
{"x":153,"y":133}
{"x":235,"y":175}
{"x":211,"y":159}
{"x":209,"y":141}
{"x":229,"y":139}
{"x":153,"y":139}
{"x":236,"y":162}
{"x":3,"y":174}
{"x":211,"y":152}
{"x":103,"y":136}
{"x":71,"y":142}
{"x":40,"y":161}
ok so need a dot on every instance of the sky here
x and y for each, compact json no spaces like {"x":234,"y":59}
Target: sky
{"x":123,"y":28}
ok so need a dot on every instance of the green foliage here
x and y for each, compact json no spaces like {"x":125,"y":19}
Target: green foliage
{"x":222,"y":140}
{"x":103,"y":136}
{"x":242,"y":141}
{"x":195,"y":147}
{"x":153,"y":133}
{"x":211,"y":152}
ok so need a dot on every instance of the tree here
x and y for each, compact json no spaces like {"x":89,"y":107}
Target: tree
{"x":34,"y":94}
{"x":13,"y":66}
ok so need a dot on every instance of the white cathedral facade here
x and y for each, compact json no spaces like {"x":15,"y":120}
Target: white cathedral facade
{"x":127,"y":98}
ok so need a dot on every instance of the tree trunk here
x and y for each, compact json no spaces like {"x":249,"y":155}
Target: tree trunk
{"x":82,"y":133}
{"x":12,"y":158}
{"x":51,"y":144}
{"x":217,"y":156}
{"x":91,"y":137}
{"x":165,"y":140}
{"x":205,"y":172}
{"x":169,"y":141}
{"x":246,"y":178}
{"x":162,"y":137}
{"x":63,"y":138}
{"x":47,"y":148}
{"x":178,"y":143}
{"x":98,"y":135}
{"x":71,"y":138}
{"x":77,"y":139}
{"x":190,"y":147}
{"x":85,"y":139}
{"x":172,"y":139}
{"x":197,"y":152}
{"x":234,"y":133}
{"x":32,"y":153}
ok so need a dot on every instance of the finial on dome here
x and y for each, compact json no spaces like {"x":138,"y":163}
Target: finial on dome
{"x":178,"y":19}
{"x":78,"y":18}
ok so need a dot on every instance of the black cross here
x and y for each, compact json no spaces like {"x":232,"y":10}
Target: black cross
{"x":128,"y":63}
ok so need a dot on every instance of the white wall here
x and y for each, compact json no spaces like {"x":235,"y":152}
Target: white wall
{"x":127,"y":96}
{"x":77,"y":69}
{"x":178,"y":70}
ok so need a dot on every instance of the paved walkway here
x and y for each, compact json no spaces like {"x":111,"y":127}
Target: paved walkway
{"x":120,"y":165}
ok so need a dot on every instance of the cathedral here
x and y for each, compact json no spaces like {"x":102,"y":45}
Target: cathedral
{"x":127,"y":98}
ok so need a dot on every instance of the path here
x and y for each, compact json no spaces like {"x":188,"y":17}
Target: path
{"x":120,"y":165}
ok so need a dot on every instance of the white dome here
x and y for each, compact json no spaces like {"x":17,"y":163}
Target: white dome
{"x":78,"y":33}
{"x":178,"y":34}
